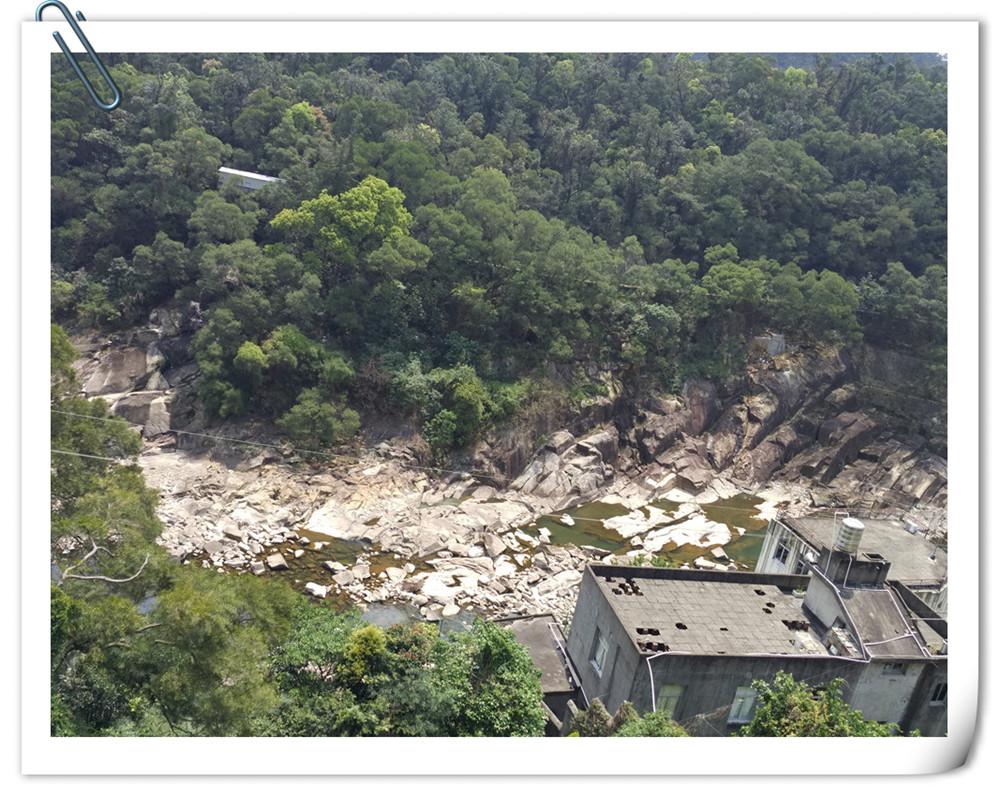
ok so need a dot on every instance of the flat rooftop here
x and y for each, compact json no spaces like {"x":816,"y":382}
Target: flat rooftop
{"x":717,"y":613}
{"x":909,"y":553}
{"x":542,"y":635}
{"x":879,"y":619}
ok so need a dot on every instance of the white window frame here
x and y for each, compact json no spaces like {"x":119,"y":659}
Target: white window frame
{"x":782,"y":546}
{"x":599,"y":653}
{"x":743,"y":705}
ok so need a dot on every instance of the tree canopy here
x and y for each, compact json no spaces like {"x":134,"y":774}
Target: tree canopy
{"x":534,"y":218}
{"x":144,"y":645}
{"x":788,"y":707}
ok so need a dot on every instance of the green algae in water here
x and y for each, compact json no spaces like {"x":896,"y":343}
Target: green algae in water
{"x":746,"y":549}
{"x":737,"y":512}
{"x":588,"y":528}
{"x":664,"y":505}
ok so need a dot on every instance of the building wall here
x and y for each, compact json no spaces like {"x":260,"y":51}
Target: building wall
{"x":822,"y":601}
{"x":929,"y":719}
{"x":614,"y":684}
{"x":710,"y":683}
{"x":883,"y":694}
{"x":935,"y":598}
{"x":767,"y":563}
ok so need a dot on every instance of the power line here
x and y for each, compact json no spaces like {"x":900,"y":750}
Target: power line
{"x":84,"y":455}
{"x":270,"y":445}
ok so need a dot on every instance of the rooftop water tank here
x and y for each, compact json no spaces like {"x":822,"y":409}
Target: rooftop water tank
{"x":849,"y":532}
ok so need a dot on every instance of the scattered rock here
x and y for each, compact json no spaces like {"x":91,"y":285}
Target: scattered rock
{"x":493,"y":544}
{"x":344,"y":578}
{"x":395,"y":574}
{"x":361,"y":571}
{"x":276,"y":561}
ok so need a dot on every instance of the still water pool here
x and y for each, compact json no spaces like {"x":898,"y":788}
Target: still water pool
{"x":739,"y":512}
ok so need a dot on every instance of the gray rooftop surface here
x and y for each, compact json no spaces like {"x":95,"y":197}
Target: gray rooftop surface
{"x":751,"y":613}
{"x":536,"y":633}
{"x":880,"y":624}
{"x":909,"y":554}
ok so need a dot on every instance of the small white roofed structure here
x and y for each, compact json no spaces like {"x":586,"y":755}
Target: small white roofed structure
{"x":248,"y":180}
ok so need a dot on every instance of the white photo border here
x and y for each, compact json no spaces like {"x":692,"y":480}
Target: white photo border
{"x":43,"y":754}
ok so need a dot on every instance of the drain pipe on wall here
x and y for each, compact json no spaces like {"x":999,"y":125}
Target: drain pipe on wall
{"x":652,"y":687}
{"x":569,"y":663}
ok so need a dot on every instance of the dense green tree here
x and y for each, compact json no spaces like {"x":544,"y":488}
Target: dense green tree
{"x":565,"y":221}
{"x":316,"y":421}
{"x":495,"y":686}
{"x":787,"y":707}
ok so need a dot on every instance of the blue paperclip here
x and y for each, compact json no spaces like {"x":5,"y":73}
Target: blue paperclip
{"x":108,"y":106}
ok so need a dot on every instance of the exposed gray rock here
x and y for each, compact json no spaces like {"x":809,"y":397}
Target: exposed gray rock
{"x":344,"y":578}
{"x":276,"y":561}
{"x":214,"y":546}
{"x":230,"y":529}
{"x":151,"y":410}
{"x":120,"y":370}
{"x":605,"y":442}
{"x":560,"y":442}
{"x":493,"y":544}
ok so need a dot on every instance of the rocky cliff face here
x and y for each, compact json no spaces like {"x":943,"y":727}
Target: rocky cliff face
{"x":146,"y":375}
{"x":795,"y":418}
{"x":795,"y":429}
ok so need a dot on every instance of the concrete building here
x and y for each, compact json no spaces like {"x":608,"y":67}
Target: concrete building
{"x":791,"y":544}
{"x":247,"y":180}
{"x":690,"y":643}
{"x":546,"y":645}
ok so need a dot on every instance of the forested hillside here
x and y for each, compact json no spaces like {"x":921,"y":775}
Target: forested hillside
{"x":453,"y":233}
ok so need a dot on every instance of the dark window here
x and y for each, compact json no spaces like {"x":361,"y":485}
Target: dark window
{"x":893,"y":668}
{"x":743,"y":704}
{"x":781,"y":551}
{"x":599,"y":653}
{"x":939,"y":693}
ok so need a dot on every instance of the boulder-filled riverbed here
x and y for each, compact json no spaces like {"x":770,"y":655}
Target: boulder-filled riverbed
{"x":381,"y":533}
